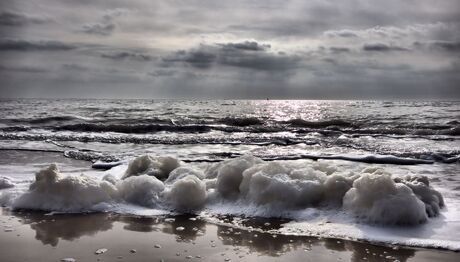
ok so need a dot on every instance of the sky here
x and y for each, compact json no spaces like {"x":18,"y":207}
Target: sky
{"x":285,"y":49}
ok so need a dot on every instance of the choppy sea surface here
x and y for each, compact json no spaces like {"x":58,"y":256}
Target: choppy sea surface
{"x":214,"y":130}
{"x":346,"y":138}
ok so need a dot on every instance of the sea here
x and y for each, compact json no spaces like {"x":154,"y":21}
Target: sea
{"x":250,"y":158}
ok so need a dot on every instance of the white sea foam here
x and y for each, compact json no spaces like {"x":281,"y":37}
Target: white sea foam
{"x":377,"y":198}
{"x":52,"y":191}
{"x":143,"y":190}
{"x":244,"y":186}
{"x":159,"y":167}
{"x":187,"y":193}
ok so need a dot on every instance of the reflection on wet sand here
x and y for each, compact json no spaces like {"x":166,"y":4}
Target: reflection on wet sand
{"x":277,"y":245}
{"x":139,"y":223}
{"x":375,"y":253}
{"x":186,"y":228}
{"x":50,"y":229}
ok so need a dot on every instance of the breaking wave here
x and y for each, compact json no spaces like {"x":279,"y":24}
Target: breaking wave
{"x":229,"y":125}
{"x":134,"y":129}
{"x":319,"y":124}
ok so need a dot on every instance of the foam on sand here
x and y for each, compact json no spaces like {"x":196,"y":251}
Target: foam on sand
{"x":245,"y":185}
{"x":188,"y":193}
{"x":377,"y":198}
{"x":420,"y":185}
{"x":230,"y":174}
{"x":159,"y":167}
{"x":52,"y":191}
{"x":372,"y":194}
{"x":142,"y":190}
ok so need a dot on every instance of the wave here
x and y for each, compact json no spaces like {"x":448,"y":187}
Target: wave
{"x":230,"y":125}
{"x":132,"y":129}
{"x":243,"y":121}
{"x":247,"y":127}
{"x":15,"y":129}
{"x":370,"y":159}
{"x":45,"y":120}
{"x":298,"y":122}
{"x":123,"y":138}
{"x":418,"y":156}
{"x":433,"y":131}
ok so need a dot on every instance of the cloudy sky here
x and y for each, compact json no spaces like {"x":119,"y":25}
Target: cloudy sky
{"x":230,"y":49}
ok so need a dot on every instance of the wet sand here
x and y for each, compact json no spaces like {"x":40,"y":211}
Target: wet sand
{"x":36,"y":236}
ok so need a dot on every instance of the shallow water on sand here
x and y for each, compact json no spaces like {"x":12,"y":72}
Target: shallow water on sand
{"x":40,"y":237}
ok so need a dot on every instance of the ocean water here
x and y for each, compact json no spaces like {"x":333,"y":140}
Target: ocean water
{"x":345,"y":169}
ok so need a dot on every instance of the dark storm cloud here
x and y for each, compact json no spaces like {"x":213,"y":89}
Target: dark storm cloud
{"x":24,"y":45}
{"x":125,"y":55}
{"x":379,"y":47}
{"x":447,"y":46}
{"x":200,"y":58}
{"x":17,"y":19}
{"x":263,"y":61}
{"x":249,"y":55}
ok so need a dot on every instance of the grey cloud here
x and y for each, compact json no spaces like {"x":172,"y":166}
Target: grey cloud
{"x":18,"y":19}
{"x":162,"y":73}
{"x":436,"y":30}
{"x":197,"y":58}
{"x":380,"y":47}
{"x":264,"y":61}
{"x":240,"y":55}
{"x":247,"y":45}
{"x":335,"y":49}
{"x":24,"y":45}
{"x":25,"y":69}
{"x":107,"y":25}
{"x":341,"y":33}
{"x":447,"y":45}
{"x":112,"y":13}
{"x":103,"y":29}
{"x":127,"y":56}
{"x":75,"y":67}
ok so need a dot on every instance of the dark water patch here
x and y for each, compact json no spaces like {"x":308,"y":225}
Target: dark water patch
{"x":371,"y":159}
{"x":298,"y":122}
{"x":241,"y":121}
{"x":15,"y":128}
{"x":46,"y":120}
{"x":132,"y":129}
{"x":117,"y":139}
